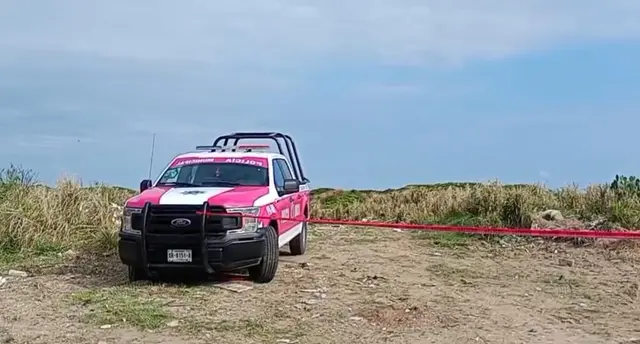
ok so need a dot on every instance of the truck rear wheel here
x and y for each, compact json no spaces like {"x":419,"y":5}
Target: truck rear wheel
{"x":266,"y":270}
{"x":298,"y":245}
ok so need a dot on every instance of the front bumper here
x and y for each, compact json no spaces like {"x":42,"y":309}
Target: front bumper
{"x":231,"y":252}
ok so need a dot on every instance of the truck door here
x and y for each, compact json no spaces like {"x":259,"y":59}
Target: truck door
{"x":288,"y":206}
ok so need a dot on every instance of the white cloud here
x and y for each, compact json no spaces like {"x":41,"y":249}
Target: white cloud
{"x":405,"y":31}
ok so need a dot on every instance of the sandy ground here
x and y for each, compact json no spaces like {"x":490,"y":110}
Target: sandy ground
{"x":353,"y":286}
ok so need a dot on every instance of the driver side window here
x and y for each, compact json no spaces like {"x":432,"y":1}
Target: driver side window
{"x":278,"y":177}
{"x":284,"y":167}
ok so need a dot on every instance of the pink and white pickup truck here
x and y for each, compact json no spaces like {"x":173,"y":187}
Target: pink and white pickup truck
{"x":178,"y":224}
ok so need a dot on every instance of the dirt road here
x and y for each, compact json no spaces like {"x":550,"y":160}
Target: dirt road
{"x":353,"y":286}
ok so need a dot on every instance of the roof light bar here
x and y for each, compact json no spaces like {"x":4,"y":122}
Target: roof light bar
{"x":243,"y":147}
{"x":209,"y":148}
{"x":251,"y":146}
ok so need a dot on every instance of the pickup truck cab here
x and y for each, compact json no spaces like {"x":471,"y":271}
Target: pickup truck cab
{"x":218,"y":209}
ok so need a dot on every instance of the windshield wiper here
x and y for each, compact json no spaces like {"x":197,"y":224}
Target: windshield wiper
{"x":183,"y":184}
{"x":222,"y":182}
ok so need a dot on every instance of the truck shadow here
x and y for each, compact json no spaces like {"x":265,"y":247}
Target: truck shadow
{"x":99,"y":271}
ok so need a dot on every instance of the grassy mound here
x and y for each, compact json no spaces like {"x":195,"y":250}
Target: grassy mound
{"x":37,"y":219}
{"x":491,"y":204}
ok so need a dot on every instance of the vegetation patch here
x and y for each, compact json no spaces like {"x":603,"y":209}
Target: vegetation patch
{"x":39,"y":220}
{"x":122,"y":305}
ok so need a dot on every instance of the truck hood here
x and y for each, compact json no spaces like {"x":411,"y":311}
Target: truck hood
{"x":239,"y":196}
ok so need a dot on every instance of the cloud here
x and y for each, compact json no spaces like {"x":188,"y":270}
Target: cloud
{"x":393,"y":31}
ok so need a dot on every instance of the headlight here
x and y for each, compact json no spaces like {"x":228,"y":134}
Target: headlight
{"x":126,"y":220}
{"x":249,"y":224}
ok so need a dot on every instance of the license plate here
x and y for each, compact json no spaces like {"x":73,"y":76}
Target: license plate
{"x":179,"y":256}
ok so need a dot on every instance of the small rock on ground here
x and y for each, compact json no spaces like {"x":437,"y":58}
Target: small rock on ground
{"x":17,"y":273}
{"x":552,"y":215}
{"x":566,"y":262}
{"x":232,"y":286}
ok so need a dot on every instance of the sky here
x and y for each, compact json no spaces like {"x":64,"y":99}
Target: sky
{"x":376,"y":93}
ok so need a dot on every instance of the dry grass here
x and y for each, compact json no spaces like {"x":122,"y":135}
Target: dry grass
{"x":481,"y":204}
{"x":37,"y":219}
{"x":40,"y":219}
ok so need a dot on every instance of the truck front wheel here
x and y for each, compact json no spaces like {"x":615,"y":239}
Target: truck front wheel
{"x":266,"y":270}
{"x":136,"y":274}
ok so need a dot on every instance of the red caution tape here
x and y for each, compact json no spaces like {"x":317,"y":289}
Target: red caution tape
{"x":537,"y":232}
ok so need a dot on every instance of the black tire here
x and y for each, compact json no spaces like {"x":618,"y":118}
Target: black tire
{"x":298,"y":245}
{"x":266,"y":270}
{"x":136,"y":274}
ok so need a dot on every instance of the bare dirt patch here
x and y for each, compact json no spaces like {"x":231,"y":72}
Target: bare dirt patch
{"x":353,"y":286}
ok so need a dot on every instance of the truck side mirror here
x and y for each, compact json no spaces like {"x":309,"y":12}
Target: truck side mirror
{"x":291,"y":186}
{"x":145,"y":184}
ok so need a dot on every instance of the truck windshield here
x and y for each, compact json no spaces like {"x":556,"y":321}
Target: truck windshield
{"x":215,"y":174}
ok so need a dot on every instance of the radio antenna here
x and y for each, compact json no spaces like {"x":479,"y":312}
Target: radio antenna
{"x":153,"y":148}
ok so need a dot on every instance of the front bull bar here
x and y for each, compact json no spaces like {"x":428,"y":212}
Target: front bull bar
{"x":237,"y":224}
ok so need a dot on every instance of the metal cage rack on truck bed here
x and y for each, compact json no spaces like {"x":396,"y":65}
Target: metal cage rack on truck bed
{"x":291,"y":151}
